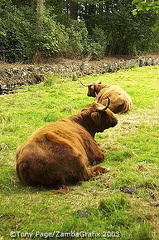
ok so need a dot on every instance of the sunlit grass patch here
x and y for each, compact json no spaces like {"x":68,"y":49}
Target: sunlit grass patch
{"x":130,"y":148}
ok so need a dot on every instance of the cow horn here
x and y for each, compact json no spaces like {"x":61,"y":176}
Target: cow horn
{"x":86,"y":85}
{"x":96,"y":97}
{"x":102,"y":108}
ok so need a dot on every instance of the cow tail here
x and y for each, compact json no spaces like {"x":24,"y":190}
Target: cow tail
{"x":22,"y":170}
{"x":124,"y":109}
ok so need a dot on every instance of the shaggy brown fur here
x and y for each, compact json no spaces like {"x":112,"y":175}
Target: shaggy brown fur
{"x":120,"y":101}
{"x":60,"y":153}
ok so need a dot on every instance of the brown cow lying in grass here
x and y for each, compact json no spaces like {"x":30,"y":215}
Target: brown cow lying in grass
{"x":120,"y":101}
{"x":60,"y":153}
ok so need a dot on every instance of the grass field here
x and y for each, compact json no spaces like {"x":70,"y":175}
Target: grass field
{"x":98,"y":208}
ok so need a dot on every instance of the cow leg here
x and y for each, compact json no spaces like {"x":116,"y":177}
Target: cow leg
{"x":97,"y":158}
{"x":97,"y":170}
{"x":94,"y":154}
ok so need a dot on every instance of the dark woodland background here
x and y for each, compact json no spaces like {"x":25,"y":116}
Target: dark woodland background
{"x":36,"y":29}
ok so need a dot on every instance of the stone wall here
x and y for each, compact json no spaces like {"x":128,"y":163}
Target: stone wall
{"x":32,"y":74}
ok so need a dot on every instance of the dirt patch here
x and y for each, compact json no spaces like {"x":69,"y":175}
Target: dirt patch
{"x":63,"y":61}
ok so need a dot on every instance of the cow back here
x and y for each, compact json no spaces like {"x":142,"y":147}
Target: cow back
{"x":120,"y":101}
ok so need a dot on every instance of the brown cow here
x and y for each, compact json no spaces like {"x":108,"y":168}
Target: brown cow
{"x":59,"y":153}
{"x":120,"y":101}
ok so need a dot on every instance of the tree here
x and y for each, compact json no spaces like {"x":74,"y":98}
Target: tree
{"x":124,"y":33}
{"x":146,"y":5}
{"x":39,"y":20}
{"x":77,"y":28}
{"x":73,"y":10}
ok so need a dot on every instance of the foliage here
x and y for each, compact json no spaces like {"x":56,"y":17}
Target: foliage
{"x":52,"y":41}
{"x":102,"y":28}
{"x":94,"y":49}
{"x":78,"y":35}
{"x":125,"y":33}
{"x":146,"y":5}
{"x":14,"y":33}
{"x":97,"y":43}
{"x":131,"y":152}
{"x":52,"y":79}
{"x":81,"y":44}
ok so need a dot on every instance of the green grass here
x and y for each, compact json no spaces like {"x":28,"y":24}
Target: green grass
{"x":97,"y":206}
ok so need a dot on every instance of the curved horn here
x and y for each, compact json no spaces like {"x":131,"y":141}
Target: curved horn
{"x":86,"y":85}
{"x":102,"y":107}
{"x":97,"y":98}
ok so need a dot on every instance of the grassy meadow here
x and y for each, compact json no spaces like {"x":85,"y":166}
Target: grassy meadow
{"x":100,"y":208}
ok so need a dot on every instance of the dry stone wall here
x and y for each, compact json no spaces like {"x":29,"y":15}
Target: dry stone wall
{"x":22,"y":75}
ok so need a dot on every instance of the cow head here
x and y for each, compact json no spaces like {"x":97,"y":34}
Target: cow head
{"x":93,"y":88}
{"x":101,"y":117}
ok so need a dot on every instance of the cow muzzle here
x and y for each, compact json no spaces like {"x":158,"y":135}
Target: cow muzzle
{"x":114,"y":122}
{"x":91,"y":94}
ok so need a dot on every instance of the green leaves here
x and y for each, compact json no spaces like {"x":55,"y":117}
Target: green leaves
{"x":146,"y":5}
{"x":104,"y":27}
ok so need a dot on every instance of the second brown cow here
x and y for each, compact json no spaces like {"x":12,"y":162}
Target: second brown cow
{"x":120,"y":101}
{"x":60,"y":153}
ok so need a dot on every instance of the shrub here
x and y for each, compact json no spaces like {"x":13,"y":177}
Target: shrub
{"x":78,"y":37}
{"x":94,"y":49}
{"x":13,"y":34}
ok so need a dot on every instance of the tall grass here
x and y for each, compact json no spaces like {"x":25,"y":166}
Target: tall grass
{"x":98,"y":206}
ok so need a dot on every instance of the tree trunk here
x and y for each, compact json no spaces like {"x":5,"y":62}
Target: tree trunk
{"x":73,"y":10}
{"x":39,"y":19}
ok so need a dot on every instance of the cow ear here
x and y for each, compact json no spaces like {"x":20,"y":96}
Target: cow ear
{"x":95,"y":117}
{"x":92,"y":87}
{"x":84,"y":109}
